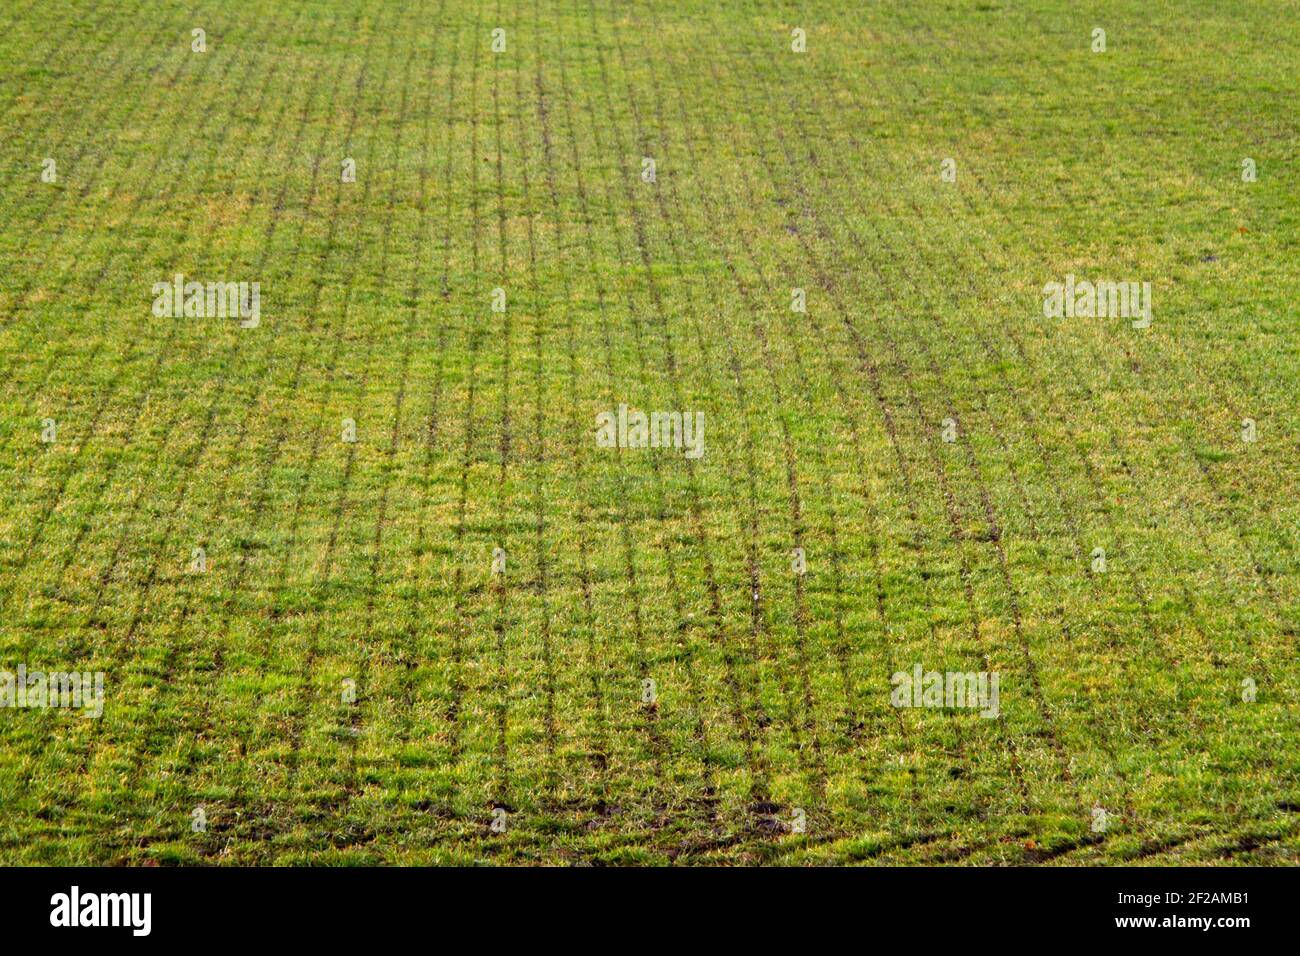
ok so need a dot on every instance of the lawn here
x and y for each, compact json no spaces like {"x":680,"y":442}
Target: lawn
{"x":372,"y":555}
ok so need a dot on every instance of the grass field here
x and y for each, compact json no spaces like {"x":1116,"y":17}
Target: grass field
{"x":476,"y":633}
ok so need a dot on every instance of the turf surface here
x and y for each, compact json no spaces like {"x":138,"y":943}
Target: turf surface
{"x":475,"y":634}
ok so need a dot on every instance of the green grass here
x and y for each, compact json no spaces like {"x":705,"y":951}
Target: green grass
{"x":371,"y":562}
